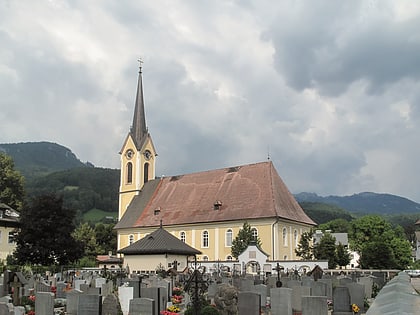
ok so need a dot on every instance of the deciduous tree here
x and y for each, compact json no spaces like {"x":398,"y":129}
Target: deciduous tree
{"x":326,"y":250}
{"x":11,"y":183}
{"x":45,"y":234}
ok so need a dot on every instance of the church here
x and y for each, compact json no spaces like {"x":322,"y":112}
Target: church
{"x":207,"y":209}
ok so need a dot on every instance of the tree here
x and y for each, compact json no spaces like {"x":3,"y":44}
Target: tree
{"x":304,"y":248}
{"x":45,"y":234}
{"x":243,"y":239}
{"x":379,"y":244}
{"x":11,"y":183}
{"x":343,"y":256}
{"x":106,"y":238}
{"x":85,"y":235}
{"x":336,"y":226}
{"x":326,"y":249}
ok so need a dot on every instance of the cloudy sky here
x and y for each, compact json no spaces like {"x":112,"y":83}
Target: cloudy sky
{"x":330,"y":90}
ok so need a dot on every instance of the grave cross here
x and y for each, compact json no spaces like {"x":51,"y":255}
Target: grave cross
{"x":15,"y":289}
{"x":278,"y":269}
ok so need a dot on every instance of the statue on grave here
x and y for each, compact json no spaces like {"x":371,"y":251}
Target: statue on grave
{"x":226,"y":299}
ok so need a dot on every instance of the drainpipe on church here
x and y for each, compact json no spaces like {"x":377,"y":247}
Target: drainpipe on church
{"x":273,"y":238}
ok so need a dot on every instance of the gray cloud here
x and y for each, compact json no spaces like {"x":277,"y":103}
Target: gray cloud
{"x":328,"y":89}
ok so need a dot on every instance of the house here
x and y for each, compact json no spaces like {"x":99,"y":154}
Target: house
{"x":9,"y":222}
{"x":206,"y":209}
{"x":158,"y":250}
{"x":110,"y":262}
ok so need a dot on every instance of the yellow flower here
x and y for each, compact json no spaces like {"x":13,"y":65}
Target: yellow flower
{"x":355,"y":308}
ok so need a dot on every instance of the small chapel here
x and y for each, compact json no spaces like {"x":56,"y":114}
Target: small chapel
{"x":206,"y":209}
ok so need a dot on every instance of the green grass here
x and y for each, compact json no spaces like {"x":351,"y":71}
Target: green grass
{"x":96,"y":215}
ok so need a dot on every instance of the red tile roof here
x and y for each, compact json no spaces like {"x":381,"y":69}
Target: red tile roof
{"x":244,"y":192}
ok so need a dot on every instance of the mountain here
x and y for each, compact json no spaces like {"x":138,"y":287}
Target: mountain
{"x":35,"y":159}
{"x":365,"y":203}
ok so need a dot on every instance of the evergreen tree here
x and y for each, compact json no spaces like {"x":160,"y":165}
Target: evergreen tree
{"x":11,"y":183}
{"x":343,"y":256}
{"x":243,"y":239}
{"x":304,"y":248}
{"x":45,"y":234}
{"x":85,"y":235}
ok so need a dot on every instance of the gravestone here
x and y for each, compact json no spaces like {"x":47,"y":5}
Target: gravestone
{"x":125,"y":294}
{"x":154,"y":293}
{"x":6,"y":309}
{"x":164,"y":299}
{"x":19,"y":310}
{"x":367,"y":282}
{"x":357,"y":295}
{"x":345,"y":280}
{"x":142,"y":306}
{"x":249,"y":303}
{"x":329,"y":286}
{"x":292,"y":283}
{"x":281,"y":301}
{"x":78,"y":282}
{"x":72,"y":301}
{"x":84,"y":287}
{"x":297,"y":294}
{"x":61,"y":287}
{"x":110,"y":305}
{"x":44,"y":303}
{"x":89,"y":304}
{"x":318,"y":288}
{"x":42,"y":287}
{"x":107,"y":288}
{"x":341,"y":301}
{"x":135,"y":284}
{"x":212,"y":290}
{"x":99,"y":282}
{"x":314,"y":305}
{"x":246,"y":285}
{"x":261,"y":289}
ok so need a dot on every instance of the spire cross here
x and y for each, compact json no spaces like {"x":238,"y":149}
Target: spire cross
{"x":140,"y":63}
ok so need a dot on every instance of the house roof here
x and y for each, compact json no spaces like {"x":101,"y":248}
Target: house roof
{"x":240,"y":193}
{"x":107,"y":259}
{"x":159,"y":242}
{"x":8,"y":216}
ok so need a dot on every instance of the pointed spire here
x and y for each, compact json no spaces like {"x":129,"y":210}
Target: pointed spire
{"x":138,"y":129}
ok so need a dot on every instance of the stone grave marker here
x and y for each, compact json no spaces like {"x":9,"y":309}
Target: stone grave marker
{"x":89,"y":304}
{"x":78,"y":282}
{"x":142,"y":306}
{"x":357,"y":295}
{"x":61,"y":287}
{"x":292,"y":283}
{"x":367,"y":282}
{"x":6,"y":309}
{"x":19,"y":310}
{"x":341,"y":301}
{"x":249,"y":303}
{"x":107,"y":288}
{"x":345,"y":280}
{"x":281,"y":301}
{"x":318,"y":288}
{"x":329,"y":286}
{"x":297,"y":293}
{"x":72,"y":301}
{"x":164,"y":299}
{"x":110,"y":305}
{"x":136,"y":285}
{"x":44,"y":303}
{"x":125,"y":294}
{"x":261,"y":289}
{"x":154,"y":293}
{"x":315,"y":305}
{"x":246,"y":285}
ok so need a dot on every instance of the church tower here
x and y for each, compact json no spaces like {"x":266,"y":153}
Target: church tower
{"x":138,"y":155}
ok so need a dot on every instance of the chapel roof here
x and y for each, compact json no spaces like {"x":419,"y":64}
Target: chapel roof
{"x":159,"y":242}
{"x":235,"y":193}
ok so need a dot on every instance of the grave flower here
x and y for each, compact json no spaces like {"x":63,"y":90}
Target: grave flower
{"x":177,"y":291}
{"x":176,"y":299}
{"x":355,"y":308}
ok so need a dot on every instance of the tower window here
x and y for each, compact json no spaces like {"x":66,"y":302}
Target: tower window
{"x":217,"y":205}
{"x":229,"y":236}
{"x":182,"y":236}
{"x":129,"y":173}
{"x":254,"y":232}
{"x":146,"y":172}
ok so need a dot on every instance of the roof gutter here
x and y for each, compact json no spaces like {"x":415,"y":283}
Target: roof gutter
{"x":273,"y":238}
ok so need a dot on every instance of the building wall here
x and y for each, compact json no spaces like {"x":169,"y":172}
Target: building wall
{"x":149,"y":263}
{"x":278,"y":239}
{"x":6,"y":247}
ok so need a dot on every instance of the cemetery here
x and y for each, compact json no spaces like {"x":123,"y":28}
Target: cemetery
{"x":197,"y":291}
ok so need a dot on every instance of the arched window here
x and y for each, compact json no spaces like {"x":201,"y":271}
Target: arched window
{"x":229,"y":237}
{"x":130,"y":239}
{"x":229,"y":258}
{"x":295,"y":236}
{"x":205,"y":258}
{"x":146,"y":172}
{"x":129,"y":173}
{"x":182,"y":236}
{"x":254,"y":232}
{"x":284,"y":236}
{"x":205,"y":239}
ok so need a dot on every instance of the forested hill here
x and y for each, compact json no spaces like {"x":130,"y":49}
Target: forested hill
{"x":36,"y":159}
{"x":365,"y":203}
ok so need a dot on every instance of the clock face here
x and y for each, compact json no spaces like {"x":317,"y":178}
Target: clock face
{"x":129,"y":154}
{"x":147,"y":154}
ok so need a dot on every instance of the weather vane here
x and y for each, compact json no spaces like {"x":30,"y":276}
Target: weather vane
{"x":140,"y":63}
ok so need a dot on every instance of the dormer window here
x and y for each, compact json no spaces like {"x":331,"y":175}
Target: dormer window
{"x":217,"y":205}
{"x":157,"y":211}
